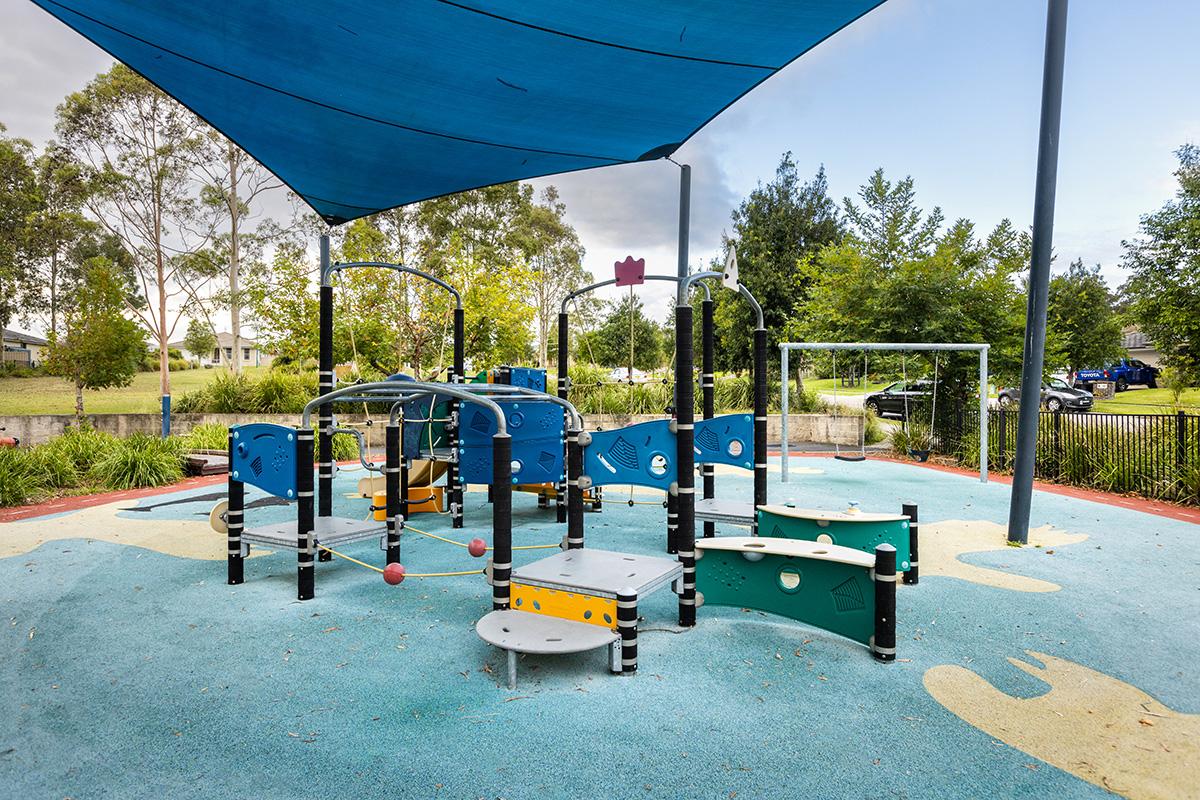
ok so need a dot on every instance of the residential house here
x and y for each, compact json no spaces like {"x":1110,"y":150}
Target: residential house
{"x":22,"y":349}
{"x":222,"y":355}
{"x":1139,"y":346}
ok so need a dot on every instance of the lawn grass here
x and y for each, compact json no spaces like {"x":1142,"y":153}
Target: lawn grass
{"x":826,"y":386}
{"x":1148,"y":401}
{"x":57,"y":396}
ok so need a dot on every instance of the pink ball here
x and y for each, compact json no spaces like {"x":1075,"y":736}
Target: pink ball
{"x":477,"y":547}
{"x":393,"y":574}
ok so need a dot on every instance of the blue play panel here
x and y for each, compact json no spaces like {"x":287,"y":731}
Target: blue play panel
{"x":130,"y":673}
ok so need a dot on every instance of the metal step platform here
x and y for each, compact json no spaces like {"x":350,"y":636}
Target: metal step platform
{"x":521,"y":632}
{"x":602,"y":573}
{"x":329,"y":531}
{"x":732,"y":512}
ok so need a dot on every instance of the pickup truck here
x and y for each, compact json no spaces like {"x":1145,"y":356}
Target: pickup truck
{"x":1125,"y":373}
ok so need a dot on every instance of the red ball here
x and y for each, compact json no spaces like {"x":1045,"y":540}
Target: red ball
{"x":477,"y":547}
{"x":393,"y":574}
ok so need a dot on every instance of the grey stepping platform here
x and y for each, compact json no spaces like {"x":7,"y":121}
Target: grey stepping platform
{"x":728,"y":511}
{"x":603,"y":573}
{"x":329,"y":531}
{"x":523,"y":632}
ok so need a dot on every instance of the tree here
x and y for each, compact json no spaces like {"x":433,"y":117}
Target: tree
{"x":554,"y":256}
{"x":18,"y":201}
{"x":1083,"y":330}
{"x":137,"y":146}
{"x":1163,"y":291}
{"x":283,"y":306}
{"x":609,"y":345}
{"x":234,"y":182}
{"x":99,"y":347}
{"x":775,"y":230}
{"x":199,"y":339}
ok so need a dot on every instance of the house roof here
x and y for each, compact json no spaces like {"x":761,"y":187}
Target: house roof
{"x":224,"y":339}
{"x":1133,"y":339}
{"x":23,"y":338}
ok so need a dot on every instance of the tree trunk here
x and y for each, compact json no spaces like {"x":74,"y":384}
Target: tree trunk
{"x":235,"y":309}
{"x":78,"y":400}
{"x":54,"y":289}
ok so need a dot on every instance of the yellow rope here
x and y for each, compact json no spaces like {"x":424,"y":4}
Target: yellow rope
{"x":464,"y":544}
{"x":407,"y":574}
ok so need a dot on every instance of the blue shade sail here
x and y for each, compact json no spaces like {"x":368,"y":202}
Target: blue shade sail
{"x":363,"y":106}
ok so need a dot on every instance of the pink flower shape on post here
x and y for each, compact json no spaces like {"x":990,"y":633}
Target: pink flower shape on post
{"x":631,"y":272}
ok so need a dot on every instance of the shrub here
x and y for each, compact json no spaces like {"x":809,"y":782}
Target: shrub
{"x":232,"y":393}
{"x":281,"y":392}
{"x":872,"y":429}
{"x":140,"y":461}
{"x":17,"y":484}
{"x":209,"y":436}
{"x":82,"y":445}
{"x":177,"y":364}
{"x":51,"y":468}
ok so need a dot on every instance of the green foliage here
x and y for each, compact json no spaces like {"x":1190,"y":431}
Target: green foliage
{"x":284,"y":392}
{"x":53,"y":468}
{"x":99,"y":348}
{"x":19,"y":201}
{"x":872,"y":428}
{"x":914,"y":436}
{"x":17,"y":481}
{"x":82,"y":445}
{"x":1082,"y":327}
{"x":1177,"y":380}
{"x":609,"y":344}
{"x":1163,"y":291}
{"x":207,"y":436}
{"x":140,"y":461}
{"x":777,"y":230}
{"x":199,"y":339}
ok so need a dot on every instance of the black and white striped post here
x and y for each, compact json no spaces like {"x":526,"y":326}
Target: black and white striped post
{"x":673,"y":519}
{"x":707,"y":390}
{"x":233,"y":524}
{"x":883,"y":643}
{"x":305,"y":541}
{"x":576,"y":441}
{"x":501,"y":519}
{"x":391,"y":485}
{"x":453,"y":471}
{"x":627,"y":620}
{"x":913,"y":576}
{"x":325,"y":384}
{"x":561,"y":504}
{"x":685,"y":536}
{"x":760,"y":423}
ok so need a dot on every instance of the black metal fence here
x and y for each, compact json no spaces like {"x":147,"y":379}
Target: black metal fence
{"x":1153,"y":455}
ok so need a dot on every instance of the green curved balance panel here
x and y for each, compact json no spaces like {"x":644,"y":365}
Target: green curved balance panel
{"x":825,"y":586}
{"x":859,"y":530}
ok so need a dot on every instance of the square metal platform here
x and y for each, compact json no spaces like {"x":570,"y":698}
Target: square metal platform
{"x":603,"y":573}
{"x":733,"y":512}
{"x":329,"y":531}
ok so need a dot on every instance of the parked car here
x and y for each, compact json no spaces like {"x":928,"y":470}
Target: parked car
{"x":1125,"y":373}
{"x":892,"y":400}
{"x":1057,"y":395}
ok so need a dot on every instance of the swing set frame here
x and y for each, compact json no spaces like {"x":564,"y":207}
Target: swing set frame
{"x":981,"y":349}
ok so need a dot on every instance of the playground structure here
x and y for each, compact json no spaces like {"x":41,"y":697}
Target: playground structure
{"x":904,"y":347}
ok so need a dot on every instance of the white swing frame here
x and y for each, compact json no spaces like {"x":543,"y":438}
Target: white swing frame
{"x":981,"y":349}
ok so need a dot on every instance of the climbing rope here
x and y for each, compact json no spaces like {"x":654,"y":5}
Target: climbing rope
{"x":407,"y":574}
{"x":465,"y":544}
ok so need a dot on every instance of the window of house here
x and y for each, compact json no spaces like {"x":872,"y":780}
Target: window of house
{"x":229,"y":354}
{"x":245,"y":354}
{"x":216,"y":354}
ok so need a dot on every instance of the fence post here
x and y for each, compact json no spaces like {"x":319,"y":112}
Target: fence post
{"x":1180,"y":445}
{"x":1058,"y":444}
{"x":1002,"y":430}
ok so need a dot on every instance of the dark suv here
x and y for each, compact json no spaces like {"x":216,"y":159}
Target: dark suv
{"x":1056,"y":396}
{"x":892,"y":400}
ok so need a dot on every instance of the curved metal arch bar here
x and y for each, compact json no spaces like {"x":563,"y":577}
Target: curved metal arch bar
{"x":534,"y":394}
{"x":686,"y":284}
{"x":388,"y":390}
{"x":612,"y":281}
{"x":338,"y":267}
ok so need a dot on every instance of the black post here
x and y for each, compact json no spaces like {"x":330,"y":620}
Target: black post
{"x":1002,"y":432}
{"x":305,"y":541}
{"x":627,"y":615}
{"x":325,"y":384}
{"x":453,"y":473}
{"x":391,"y":484}
{"x":233,"y":524}
{"x":501,"y":519}
{"x":686,"y":457}
{"x":576,"y":441}
{"x":913,"y":576}
{"x":673,"y":520}
{"x":760,"y":423}
{"x":1039,"y":272}
{"x":883,"y":643}
{"x":560,"y":503}
{"x":707,"y":390}
{"x":1180,"y":443}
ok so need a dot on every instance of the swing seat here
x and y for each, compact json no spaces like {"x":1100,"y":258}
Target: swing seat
{"x":850,"y":458}
{"x":920,"y":455}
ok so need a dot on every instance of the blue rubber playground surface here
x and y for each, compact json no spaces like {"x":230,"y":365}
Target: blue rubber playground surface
{"x":130,"y":669}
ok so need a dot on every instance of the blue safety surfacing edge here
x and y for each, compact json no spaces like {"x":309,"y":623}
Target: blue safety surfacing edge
{"x":128,"y":673}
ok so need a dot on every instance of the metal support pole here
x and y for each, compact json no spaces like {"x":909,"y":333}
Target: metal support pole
{"x":501,"y":519}
{"x":708,"y":401}
{"x":685,"y":535}
{"x":913,"y":575}
{"x":454,"y":469}
{"x":627,"y":615}
{"x":784,"y":379}
{"x":983,"y":415}
{"x":760,"y":424}
{"x":391,"y":483}
{"x":1039,"y":271}
{"x":685,"y":217}
{"x":305,"y":541}
{"x":325,"y":382}
{"x":576,"y":441}
{"x":233,"y":524}
{"x":560,"y":504}
{"x":883,"y":643}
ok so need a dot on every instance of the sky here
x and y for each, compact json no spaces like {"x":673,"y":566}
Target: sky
{"x":946,"y":91}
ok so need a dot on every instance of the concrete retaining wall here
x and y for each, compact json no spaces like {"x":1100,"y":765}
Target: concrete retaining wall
{"x":38,"y":429}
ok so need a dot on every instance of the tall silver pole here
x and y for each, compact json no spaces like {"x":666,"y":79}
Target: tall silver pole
{"x":783,"y":411}
{"x":983,"y":415}
{"x":685,"y":217}
{"x":1039,"y":272}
